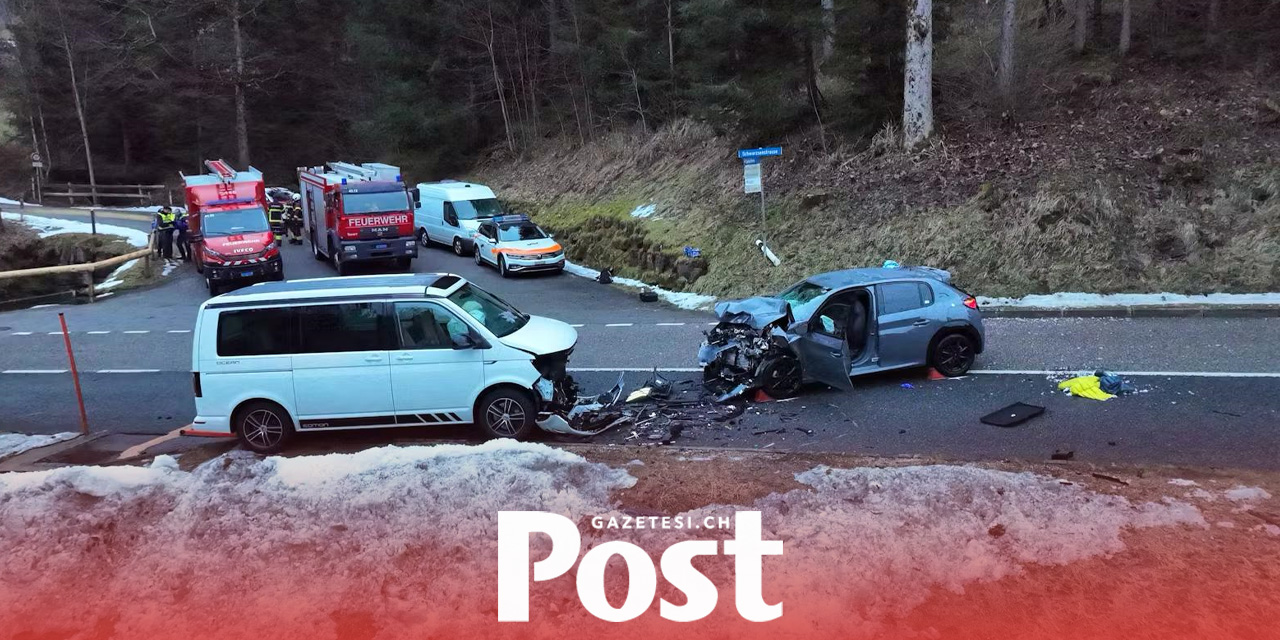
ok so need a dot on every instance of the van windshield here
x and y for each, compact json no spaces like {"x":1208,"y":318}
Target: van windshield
{"x":234,"y":222}
{"x":491,"y":311}
{"x":355,"y":204}
{"x":473,"y":209}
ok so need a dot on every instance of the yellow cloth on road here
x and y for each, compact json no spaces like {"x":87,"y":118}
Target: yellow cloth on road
{"x":1085,"y":387}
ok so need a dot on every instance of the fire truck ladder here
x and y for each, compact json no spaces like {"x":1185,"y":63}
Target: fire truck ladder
{"x":352,"y":171}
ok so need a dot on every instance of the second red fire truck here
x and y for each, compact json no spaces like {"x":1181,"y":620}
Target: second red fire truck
{"x":357,"y":213}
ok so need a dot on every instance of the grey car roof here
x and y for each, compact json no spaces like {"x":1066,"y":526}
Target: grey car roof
{"x":866,"y":275}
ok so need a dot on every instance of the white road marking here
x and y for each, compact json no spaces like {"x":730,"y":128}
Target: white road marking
{"x":670,"y":324}
{"x":142,"y":331}
{"x":178,"y":331}
{"x":127,"y":371}
{"x":55,"y":333}
{"x":633,"y":369}
{"x":1136,"y":374}
{"x":99,"y":333}
{"x":620,"y":324}
{"x":577,"y":325}
{"x":34,"y":371}
{"x":21,"y":333}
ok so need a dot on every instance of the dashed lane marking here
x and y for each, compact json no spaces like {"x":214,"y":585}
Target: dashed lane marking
{"x":34,"y":371}
{"x":127,"y":371}
{"x":620,"y":324}
{"x":178,"y":331}
{"x":670,"y":324}
{"x":138,"y":331}
{"x":21,"y":333}
{"x":55,"y":333}
{"x":98,"y":333}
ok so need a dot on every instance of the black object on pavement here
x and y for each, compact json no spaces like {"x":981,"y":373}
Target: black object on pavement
{"x":1012,"y":415}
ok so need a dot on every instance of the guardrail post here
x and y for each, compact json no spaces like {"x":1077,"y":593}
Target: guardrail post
{"x":75,"y":375}
{"x":88,"y":281}
{"x":93,"y":221}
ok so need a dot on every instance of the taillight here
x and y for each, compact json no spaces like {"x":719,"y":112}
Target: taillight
{"x":971,"y":302}
{"x":195,"y":383}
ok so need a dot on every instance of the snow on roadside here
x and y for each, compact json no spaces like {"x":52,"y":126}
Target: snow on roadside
{"x":11,"y":444}
{"x":52,"y":226}
{"x":407,"y":537}
{"x":16,"y":203}
{"x":113,"y":280}
{"x":1069,"y":300}
{"x":682,"y":299}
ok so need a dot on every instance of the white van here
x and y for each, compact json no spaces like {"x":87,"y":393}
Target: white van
{"x":450,"y":212}
{"x":279,"y":358}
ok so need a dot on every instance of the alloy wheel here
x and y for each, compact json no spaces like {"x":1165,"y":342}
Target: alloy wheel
{"x":505,"y":416}
{"x":263,"y":429}
{"x":955,"y":355}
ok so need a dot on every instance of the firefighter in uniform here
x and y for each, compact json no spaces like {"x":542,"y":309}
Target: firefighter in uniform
{"x":275,"y":216}
{"x":293,"y":220}
{"x":165,"y":220}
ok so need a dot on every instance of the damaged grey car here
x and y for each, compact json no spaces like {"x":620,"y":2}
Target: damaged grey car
{"x":832,"y":326}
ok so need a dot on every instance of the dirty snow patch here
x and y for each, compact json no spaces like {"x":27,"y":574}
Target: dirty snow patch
{"x":1072,"y":300}
{"x":682,"y":299}
{"x":11,"y":444}
{"x":643,"y":211}
{"x":53,"y":226}
{"x":17,"y":203}
{"x":1247,"y":494}
{"x":168,"y":268}
{"x":1179,"y":482}
{"x":114,"y":280}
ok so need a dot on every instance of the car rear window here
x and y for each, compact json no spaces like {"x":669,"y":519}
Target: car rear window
{"x":257,"y":332}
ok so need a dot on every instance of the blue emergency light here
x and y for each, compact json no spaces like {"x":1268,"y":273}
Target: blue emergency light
{"x":511,"y":217}
{"x":230,"y":201}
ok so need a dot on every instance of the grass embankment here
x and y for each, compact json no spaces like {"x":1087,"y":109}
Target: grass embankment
{"x":1106,"y":197}
{"x":23,"y":248}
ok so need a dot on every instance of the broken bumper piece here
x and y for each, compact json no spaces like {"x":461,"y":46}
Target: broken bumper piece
{"x":567,"y":413}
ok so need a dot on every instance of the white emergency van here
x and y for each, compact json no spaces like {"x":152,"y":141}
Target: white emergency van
{"x":279,"y":358}
{"x":450,"y":213}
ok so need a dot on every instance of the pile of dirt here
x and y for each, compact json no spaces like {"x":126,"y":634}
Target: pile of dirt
{"x":1135,"y":178}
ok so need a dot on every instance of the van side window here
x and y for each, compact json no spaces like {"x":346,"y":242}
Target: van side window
{"x":336,"y":328}
{"x":427,"y":326}
{"x":257,"y":332}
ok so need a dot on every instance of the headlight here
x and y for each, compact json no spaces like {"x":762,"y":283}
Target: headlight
{"x":349,"y":249}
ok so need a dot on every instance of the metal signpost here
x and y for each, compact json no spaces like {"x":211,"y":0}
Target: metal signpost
{"x":753,"y":182}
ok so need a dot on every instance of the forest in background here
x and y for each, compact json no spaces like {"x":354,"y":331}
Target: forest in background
{"x":434,"y":84}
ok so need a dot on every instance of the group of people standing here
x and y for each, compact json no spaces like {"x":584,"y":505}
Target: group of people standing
{"x":285,"y":217}
{"x":171,"y":228}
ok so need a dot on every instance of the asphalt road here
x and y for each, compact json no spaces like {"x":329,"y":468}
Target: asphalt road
{"x":1208,"y":385}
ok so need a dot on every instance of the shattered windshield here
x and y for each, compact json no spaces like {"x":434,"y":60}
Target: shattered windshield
{"x":803,"y":298}
{"x":492,"y":312}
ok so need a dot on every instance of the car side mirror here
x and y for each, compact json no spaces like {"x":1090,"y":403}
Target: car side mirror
{"x":469,"y":341}
{"x":798,"y":328}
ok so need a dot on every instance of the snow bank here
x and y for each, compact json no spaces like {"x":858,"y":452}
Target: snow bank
{"x":406,"y":537}
{"x":1090,"y":300}
{"x":11,"y":444}
{"x":53,"y":226}
{"x":16,"y":203}
{"x":681,"y":299}
{"x":154,"y":208}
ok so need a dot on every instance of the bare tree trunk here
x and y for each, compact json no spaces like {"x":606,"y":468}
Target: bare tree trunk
{"x":1126,"y":27}
{"x":1008,"y":38}
{"x":242,"y":111}
{"x":917,"y":102}
{"x":497,"y":83}
{"x":1082,"y":25}
{"x":582,"y":71}
{"x":811,"y":76}
{"x":44,"y":134}
{"x":635,"y":88}
{"x":828,"y":32}
{"x":671,"y":42}
{"x":75,"y":91}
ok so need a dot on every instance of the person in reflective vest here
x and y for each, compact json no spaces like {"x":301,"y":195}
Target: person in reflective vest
{"x":165,"y":219}
{"x":275,"y":216}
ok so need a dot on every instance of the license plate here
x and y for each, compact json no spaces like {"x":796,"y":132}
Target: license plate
{"x":381,"y":245}
{"x":246,"y":274}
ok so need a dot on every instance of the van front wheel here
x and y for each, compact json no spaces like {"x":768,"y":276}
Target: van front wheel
{"x":263,"y":427}
{"x":505,"y":413}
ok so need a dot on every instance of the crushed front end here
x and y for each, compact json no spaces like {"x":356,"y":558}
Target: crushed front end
{"x":750,"y":349}
{"x":562,"y":409}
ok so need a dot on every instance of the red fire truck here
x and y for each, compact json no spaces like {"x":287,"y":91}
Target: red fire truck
{"x":356,"y":213}
{"x":231,"y":240}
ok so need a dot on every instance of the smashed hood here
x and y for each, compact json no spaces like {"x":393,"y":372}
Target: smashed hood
{"x":758,"y":312}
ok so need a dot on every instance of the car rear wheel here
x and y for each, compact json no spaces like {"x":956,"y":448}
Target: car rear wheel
{"x":953,"y":354}
{"x":505,"y":413}
{"x":459,"y":248}
{"x":263,"y":427}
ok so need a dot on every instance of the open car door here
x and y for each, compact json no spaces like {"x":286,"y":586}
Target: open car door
{"x":823,"y":348}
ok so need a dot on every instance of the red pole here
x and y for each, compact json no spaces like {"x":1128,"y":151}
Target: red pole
{"x":75,"y":375}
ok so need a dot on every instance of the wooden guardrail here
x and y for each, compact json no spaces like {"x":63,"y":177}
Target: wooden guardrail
{"x":86,"y":268}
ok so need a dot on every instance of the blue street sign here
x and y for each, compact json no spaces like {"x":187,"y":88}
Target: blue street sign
{"x":760,"y":152}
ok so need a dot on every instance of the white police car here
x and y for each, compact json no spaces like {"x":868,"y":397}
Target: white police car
{"x":514,"y":244}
